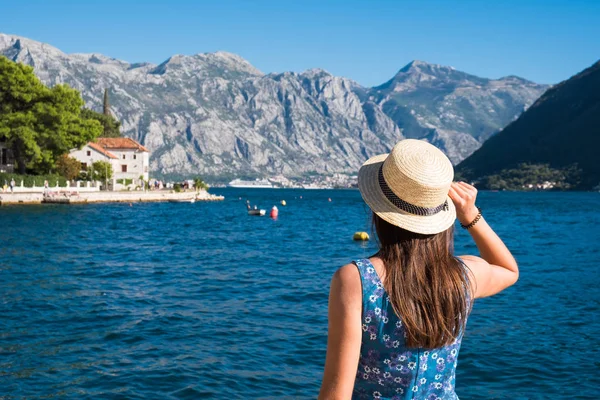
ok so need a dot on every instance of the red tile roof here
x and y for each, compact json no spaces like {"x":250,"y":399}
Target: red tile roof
{"x":120,"y":143}
{"x":100,"y":149}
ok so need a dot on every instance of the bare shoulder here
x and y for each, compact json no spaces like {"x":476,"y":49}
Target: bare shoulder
{"x":476,"y":266}
{"x":474,"y":261}
{"x":346,"y":276}
{"x":346,"y":283}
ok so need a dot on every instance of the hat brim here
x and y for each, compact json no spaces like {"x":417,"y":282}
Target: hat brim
{"x":368,"y":185}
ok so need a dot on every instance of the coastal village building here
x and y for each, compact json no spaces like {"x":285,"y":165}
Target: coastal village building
{"x":133,"y":159}
{"x":129,"y":159}
{"x":92,"y":152}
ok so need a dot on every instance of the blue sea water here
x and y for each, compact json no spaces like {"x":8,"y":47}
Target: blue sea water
{"x":192,"y":301}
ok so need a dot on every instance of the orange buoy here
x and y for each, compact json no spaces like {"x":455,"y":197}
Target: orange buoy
{"x":274,"y":212}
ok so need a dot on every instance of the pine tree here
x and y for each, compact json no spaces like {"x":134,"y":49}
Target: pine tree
{"x":106,"y":103}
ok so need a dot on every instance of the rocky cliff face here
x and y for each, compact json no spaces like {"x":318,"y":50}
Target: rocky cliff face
{"x":218,"y":116}
{"x":453,"y":110}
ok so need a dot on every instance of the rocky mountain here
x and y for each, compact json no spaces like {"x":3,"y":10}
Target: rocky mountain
{"x":216,"y":115}
{"x":561,"y":128}
{"x":452,"y":109}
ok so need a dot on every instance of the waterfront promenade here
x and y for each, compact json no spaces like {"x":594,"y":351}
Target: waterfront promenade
{"x":74,"y":197}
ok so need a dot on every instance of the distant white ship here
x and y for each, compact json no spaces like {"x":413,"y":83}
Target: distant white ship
{"x":314,"y":186}
{"x":258,"y":184}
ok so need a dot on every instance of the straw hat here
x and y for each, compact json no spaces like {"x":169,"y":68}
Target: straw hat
{"x":409,"y":187}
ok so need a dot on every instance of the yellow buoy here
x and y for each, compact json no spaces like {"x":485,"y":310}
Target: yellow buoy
{"x":361,"y":236}
{"x":283,"y":203}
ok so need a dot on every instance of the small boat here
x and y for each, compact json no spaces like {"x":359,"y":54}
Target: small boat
{"x":259,"y":213}
{"x":182,"y":200}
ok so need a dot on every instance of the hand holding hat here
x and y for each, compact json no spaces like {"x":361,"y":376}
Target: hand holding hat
{"x":463,"y":196}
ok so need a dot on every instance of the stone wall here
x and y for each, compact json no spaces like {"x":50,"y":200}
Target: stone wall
{"x":70,"y":197}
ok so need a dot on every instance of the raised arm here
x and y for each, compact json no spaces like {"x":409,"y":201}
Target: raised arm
{"x":344,"y":336}
{"x":496,"y":269}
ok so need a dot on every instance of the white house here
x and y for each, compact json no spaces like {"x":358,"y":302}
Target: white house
{"x":129,"y":159}
{"x":90,"y":153}
{"x":133,"y":159}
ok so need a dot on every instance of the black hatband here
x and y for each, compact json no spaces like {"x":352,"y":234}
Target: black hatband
{"x":405,"y":206}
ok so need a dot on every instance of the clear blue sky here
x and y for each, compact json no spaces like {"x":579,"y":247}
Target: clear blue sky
{"x":368,"y":41}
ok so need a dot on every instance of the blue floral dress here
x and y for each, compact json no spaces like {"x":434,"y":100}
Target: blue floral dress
{"x":387,"y":369}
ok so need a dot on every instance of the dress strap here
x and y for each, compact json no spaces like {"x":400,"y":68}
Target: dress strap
{"x":372,"y":287}
{"x":368,"y":275}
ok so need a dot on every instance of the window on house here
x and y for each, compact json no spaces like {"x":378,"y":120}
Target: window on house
{"x":135,"y":156}
{"x":89,"y":153}
{"x":123,"y":156}
{"x":123,"y":168}
{"x":83,"y":166}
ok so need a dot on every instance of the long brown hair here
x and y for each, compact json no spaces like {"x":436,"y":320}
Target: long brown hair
{"x":427,"y":286}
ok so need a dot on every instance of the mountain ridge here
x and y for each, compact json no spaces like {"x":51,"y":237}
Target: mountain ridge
{"x":216,"y":114}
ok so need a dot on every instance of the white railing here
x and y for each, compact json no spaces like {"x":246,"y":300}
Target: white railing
{"x":77,"y":186}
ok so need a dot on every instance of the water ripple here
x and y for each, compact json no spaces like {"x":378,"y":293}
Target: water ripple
{"x":192,"y":301}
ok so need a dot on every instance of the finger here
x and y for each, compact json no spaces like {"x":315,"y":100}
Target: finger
{"x":468,"y":188}
{"x":455,"y":185}
{"x":459,"y":189}
{"x":454,"y":195}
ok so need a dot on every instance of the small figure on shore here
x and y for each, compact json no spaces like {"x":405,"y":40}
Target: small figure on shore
{"x":45,"y":186}
{"x":12,"y":185}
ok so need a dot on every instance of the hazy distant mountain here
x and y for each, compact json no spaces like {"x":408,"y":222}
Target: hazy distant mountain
{"x":216,"y":115}
{"x":561,"y":128}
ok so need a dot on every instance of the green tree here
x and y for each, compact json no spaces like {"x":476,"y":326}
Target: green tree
{"x":106,"y":105}
{"x":61,"y":128}
{"x":200,"y":185}
{"x":112,"y":127}
{"x":40,"y":124}
{"x":100,"y":171}
{"x":20,"y":90}
{"x":533,"y":177}
{"x":68,"y":167}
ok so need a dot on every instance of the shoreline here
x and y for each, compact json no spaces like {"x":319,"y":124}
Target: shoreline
{"x":67,"y":197}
